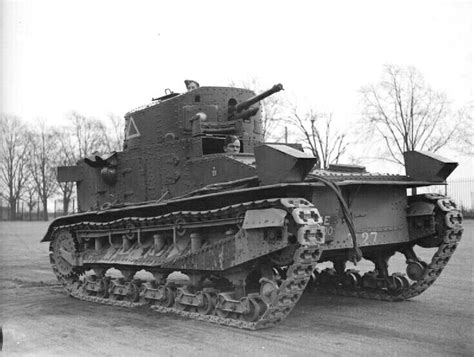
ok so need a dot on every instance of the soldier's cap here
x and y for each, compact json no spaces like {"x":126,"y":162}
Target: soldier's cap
{"x":187,"y":82}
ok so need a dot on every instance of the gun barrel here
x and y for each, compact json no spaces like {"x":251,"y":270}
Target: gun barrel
{"x":246,"y":104}
{"x":245,"y":113}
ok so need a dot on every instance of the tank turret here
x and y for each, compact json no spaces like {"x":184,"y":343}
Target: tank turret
{"x":173,"y":146}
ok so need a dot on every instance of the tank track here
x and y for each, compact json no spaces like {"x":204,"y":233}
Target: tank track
{"x":283,"y":298}
{"x":449,"y":234}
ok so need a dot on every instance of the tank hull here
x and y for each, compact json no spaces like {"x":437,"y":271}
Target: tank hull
{"x":221,"y":248}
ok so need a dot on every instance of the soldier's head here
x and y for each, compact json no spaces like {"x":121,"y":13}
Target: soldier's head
{"x":190,"y":84}
{"x":231,"y":144}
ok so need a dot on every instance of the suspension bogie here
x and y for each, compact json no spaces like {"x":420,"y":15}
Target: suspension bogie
{"x":124,"y":290}
{"x":97,"y":286}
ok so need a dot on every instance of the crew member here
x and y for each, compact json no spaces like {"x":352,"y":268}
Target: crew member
{"x":231,"y":144}
{"x":190,"y":84}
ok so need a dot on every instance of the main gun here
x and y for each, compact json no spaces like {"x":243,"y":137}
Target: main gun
{"x":241,"y":110}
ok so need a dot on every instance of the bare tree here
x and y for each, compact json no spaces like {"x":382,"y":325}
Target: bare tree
{"x":66,"y":156}
{"x":87,"y":135}
{"x":30,"y":197}
{"x":318,"y":134}
{"x":406,"y":113}
{"x":114,"y":131}
{"x":82,"y":137}
{"x":273,"y":108}
{"x":42,"y":150}
{"x":13,"y":159}
{"x":464,"y":140}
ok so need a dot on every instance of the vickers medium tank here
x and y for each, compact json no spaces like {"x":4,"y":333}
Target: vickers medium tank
{"x":245,"y":231}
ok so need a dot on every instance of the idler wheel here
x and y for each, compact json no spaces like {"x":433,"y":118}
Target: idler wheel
{"x":88,"y":280}
{"x":416,"y":270}
{"x":351,"y":279}
{"x":207,"y":303}
{"x":112,"y":295}
{"x":222,"y":313}
{"x":268,"y":290}
{"x":180,"y":307}
{"x":132,"y":292}
{"x":405,"y":282}
{"x":177,"y":303}
{"x":396,"y":284}
{"x":104,"y":288}
{"x":253,"y":309}
{"x":221,"y":302}
{"x":169,"y":297}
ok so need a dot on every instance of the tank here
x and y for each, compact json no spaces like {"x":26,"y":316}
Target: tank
{"x":175,"y":223}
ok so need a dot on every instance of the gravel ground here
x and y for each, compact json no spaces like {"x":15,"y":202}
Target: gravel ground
{"x":38,"y":318}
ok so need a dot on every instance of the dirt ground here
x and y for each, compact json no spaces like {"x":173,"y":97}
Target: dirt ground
{"x":38,"y":318}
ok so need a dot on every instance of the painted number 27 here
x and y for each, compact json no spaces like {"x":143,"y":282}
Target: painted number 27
{"x":367,"y":237}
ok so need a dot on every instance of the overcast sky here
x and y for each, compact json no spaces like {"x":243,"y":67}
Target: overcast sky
{"x":98,"y":57}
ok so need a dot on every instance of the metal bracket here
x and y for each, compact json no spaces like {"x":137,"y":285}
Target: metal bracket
{"x":75,"y":259}
{"x":261,"y":218}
